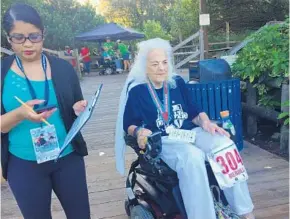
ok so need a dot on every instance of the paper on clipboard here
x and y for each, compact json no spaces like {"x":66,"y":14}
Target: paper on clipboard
{"x":81,"y":120}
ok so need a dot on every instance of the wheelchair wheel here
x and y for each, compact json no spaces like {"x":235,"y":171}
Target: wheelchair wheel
{"x":109,"y":71}
{"x":139,"y":212}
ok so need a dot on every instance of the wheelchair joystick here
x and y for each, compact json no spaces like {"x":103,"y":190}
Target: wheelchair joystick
{"x":153,"y":146}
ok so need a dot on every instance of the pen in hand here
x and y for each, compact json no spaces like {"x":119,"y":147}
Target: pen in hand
{"x":30,"y":109}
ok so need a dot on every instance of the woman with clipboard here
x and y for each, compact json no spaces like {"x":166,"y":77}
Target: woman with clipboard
{"x":41,"y":98}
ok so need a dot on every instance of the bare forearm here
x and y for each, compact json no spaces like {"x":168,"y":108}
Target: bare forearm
{"x":10,"y":120}
{"x":201,"y":119}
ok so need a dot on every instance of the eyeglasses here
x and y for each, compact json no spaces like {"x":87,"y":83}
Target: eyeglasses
{"x":20,"y":38}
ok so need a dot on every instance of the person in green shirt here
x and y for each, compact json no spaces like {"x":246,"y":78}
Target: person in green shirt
{"x":110,"y":46}
{"x":123,"y":49}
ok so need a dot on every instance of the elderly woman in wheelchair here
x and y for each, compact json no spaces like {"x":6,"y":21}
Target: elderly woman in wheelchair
{"x":156,"y":100}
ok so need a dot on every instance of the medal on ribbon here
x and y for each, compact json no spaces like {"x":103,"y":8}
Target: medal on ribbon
{"x":164,"y":109}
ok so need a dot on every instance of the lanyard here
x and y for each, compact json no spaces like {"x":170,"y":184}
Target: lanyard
{"x":163,"y":109}
{"x":31,"y":89}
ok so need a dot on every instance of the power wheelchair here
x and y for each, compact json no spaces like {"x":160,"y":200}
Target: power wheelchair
{"x":109,"y":67}
{"x":152,"y":186}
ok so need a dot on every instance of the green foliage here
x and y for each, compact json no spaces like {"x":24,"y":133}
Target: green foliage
{"x":153,"y":29}
{"x":265,"y":59}
{"x":63,"y":20}
{"x":245,"y":14}
{"x":184,"y":19}
{"x":180,"y":17}
{"x":135,"y":13}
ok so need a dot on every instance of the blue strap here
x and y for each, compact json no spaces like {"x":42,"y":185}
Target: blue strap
{"x":31,"y":89}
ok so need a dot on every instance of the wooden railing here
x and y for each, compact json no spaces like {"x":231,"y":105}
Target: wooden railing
{"x":192,"y":48}
{"x":187,"y":52}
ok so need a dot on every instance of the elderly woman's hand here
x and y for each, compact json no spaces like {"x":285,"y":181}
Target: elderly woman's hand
{"x":142,"y":135}
{"x":213,"y":128}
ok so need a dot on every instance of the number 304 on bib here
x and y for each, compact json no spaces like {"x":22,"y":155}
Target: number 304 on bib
{"x":227,"y":166}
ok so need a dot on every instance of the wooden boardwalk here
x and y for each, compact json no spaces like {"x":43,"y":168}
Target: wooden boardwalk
{"x":268,"y":182}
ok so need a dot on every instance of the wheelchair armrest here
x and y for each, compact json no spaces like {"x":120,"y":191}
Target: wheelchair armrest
{"x":132,"y":142}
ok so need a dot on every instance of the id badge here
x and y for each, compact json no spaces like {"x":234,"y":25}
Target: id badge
{"x":182,"y":135}
{"x":45,"y":143}
{"x":227,"y":165}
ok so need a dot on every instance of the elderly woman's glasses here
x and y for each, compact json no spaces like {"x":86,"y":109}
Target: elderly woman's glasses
{"x":20,"y":38}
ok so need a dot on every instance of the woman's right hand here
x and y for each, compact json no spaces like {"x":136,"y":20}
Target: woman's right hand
{"x":25,"y":113}
{"x":142,"y":135}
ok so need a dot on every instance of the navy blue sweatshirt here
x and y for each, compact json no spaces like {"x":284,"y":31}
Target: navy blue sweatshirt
{"x":140,"y":109}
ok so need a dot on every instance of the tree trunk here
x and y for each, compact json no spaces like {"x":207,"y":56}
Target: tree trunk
{"x":251,"y":102}
{"x":180,"y":36}
{"x":284,"y":131}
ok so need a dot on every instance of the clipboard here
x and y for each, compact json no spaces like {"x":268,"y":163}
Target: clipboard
{"x":81,"y":120}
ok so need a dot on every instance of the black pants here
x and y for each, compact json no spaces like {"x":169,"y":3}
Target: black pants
{"x":32,"y":186}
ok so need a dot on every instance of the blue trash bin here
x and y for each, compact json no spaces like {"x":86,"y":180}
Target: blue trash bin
{"x":209,"y":70}
{"x":216,"y":96}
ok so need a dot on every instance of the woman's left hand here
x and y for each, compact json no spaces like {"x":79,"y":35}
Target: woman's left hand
{"x":80,"y":106}
{"x":214,"y":128}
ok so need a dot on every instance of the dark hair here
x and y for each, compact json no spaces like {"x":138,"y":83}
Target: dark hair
{"x":21,"y":12}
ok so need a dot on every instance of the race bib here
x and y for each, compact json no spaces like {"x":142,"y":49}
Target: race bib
{"x":227,"y":165}
{"x":182,"y":135}
{"x":45,"y":143}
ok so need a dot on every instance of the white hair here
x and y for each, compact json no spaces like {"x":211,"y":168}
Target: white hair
{"x":138,"y":72}
{"x":138,"y":75}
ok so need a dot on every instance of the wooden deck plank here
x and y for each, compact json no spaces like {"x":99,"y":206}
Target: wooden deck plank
{"x":268,"y":173}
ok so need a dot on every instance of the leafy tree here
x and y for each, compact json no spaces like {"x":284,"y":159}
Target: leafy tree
{"x":78,"y":18}
{"x":184,"y":18}
{"x":245,"y":14}
{"x":115,"y":12}
{"x":135,"y":13}
{"x":153,"y":29}
{"x":63,"y":20}
{"x":180,"y":17}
